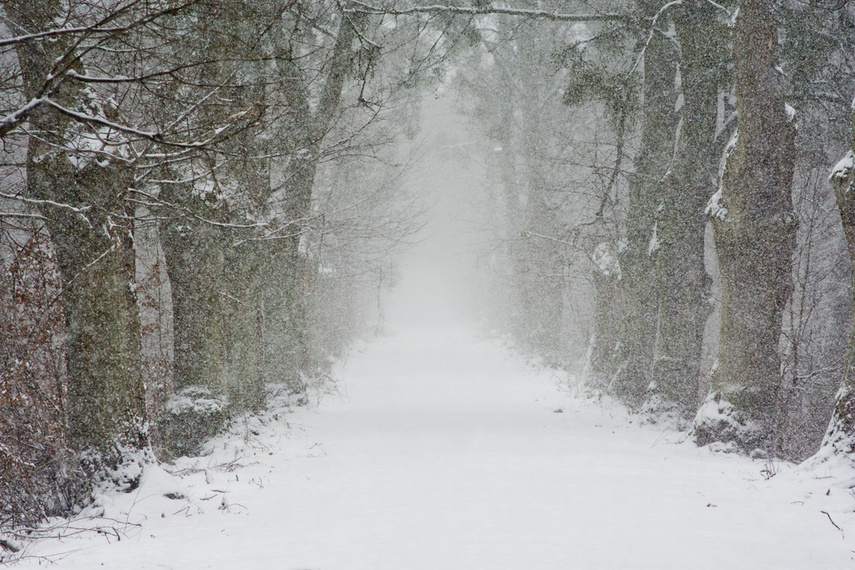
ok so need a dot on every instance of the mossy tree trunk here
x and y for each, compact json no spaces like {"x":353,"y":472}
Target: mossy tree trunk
{"x":214,"y":364}
{"x":93,"y":234}
{"x":754,"y":229}
{"x":638,"y":284}
{"x":682,"y":281}
{"x":194,"y":255}
{"x":840,"y":435}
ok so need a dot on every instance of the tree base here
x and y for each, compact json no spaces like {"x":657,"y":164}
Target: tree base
{"x":840,"y":437}
{"x":718,"y":420}
{"x":193,"y":415}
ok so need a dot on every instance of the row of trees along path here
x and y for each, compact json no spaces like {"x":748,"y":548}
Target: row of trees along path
{"x":233,"y":128}
{"x":441,"y":448}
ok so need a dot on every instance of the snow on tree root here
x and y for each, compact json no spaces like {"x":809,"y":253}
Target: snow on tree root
{"x":839,"y":439}
{"x":193,"y":415}
{"x":719,"y":422}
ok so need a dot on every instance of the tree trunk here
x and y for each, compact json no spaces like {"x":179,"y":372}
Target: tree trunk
{"x":754,"y":228}
{"x":682,"y":282}
{"x":95,"y":251}
{"x":840,"y":435}
{"x":291,"y":285}
{"x":606,"y":279}
{"x":638,"y":284}
{"x":215,"y":303}
{"x":194,"y":255}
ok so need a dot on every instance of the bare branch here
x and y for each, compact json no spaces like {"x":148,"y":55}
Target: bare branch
{"x":21,"y":215}
{"x":157,"y":202}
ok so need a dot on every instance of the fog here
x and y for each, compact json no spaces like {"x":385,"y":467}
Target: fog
{"x":438,"y":277}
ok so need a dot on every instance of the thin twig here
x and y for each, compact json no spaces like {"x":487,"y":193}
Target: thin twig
{"x":831,"y":521}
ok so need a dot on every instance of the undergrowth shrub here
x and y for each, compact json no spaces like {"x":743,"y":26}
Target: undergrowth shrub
{"x":39,"y":476}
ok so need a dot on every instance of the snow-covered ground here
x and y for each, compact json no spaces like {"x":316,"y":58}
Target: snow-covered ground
{"x":439,"y":449}
{"x":443,"y":450}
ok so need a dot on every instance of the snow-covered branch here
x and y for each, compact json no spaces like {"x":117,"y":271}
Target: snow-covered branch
{"x":101,"y":28}
{"x":60,"y":32}
{"x":21,"y":215}
{"x":34,"y":202}
{"x":653,"y":23}
{"x":11,"y":121}
{"x":152,"y":136}
{"x":157,"y":202}
{"x":62,"y":65}
{"x":364,"y":8}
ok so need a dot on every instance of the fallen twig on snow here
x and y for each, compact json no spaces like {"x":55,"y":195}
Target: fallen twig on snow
{"x":832,"y":521}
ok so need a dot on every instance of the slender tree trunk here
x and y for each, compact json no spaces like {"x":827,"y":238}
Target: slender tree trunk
{"x":601,"y":358}
{"x":683,"y":285}
{"x":95,"y":252}
{"x":754,"y":233}
{"x":289,"y":293}
{"x":638,"y":283}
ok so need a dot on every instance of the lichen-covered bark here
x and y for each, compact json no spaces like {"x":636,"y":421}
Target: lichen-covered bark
{"x":682,"y":282}
{"x":754,"y":234}
{"x":638,"y":284}
{"x":194,"y":255}
{"x":601,"y":358}
{"x":94,"y":248}
{"x":840,"y":435}
{"x":194,"y":234}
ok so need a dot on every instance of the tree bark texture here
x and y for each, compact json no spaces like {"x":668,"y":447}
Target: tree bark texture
{"x":840,"y":435}
{"x":218,"y":314}
{"x":682,"y":282}
{"x":638,"y":283}
{"x":194,"y":255}
{"x":95,"y":250}
{"x":754,"y":229}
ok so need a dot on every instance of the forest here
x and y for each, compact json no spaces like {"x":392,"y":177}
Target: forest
{"x":202,"y":203}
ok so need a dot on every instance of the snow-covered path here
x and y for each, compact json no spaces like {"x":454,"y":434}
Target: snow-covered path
{"x":444,"y":451}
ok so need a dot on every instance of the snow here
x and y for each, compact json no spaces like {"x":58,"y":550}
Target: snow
{"x":606,"y":261}
{"x":653,"y":246}
{"x":443,"y":449}
{"x":791,"y":113}
{"x":714,"y":207}
{"x":719,"y":417}
{"x":842,"y":171}
{"x":195,"y":400}
{"x":439,"y":447}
